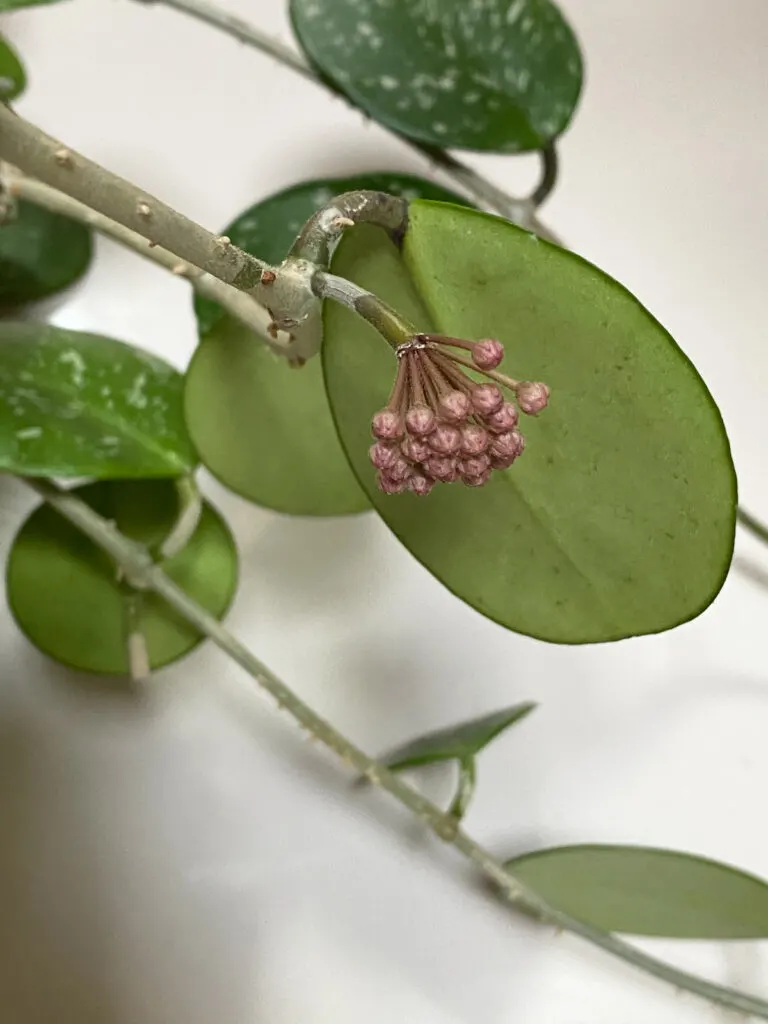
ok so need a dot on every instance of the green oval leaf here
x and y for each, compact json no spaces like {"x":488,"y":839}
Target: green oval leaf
{"x":12,"y":77}
{"x":41,"y":253}
{"x":81,"y":405}
{"x":65,"y":596}
{"x":619,"y":520}
{"x":642,"y":891}
{"x":262,"y":428}
{"x":501,"y":75}
{"x":458,"y":742}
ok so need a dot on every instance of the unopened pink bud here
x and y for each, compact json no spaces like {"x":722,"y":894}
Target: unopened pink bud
{"x":477,"y":481}
{"x":383,"y":454}
{"x":504,"y":445}
{"x":503,"y":419}
{"x":400,"y":469}
{"x":441,"y":467}
{"x":532,"y":396}
{"x":387,"y":425}
{"x":416,"y":449}
{"x":388,"y":485}
{"x":420,"y":420}
{"x":487,"y":354}
{"x":446,"y":440}
{"x":486,"y":399}
{"x":455,"y":407}
{"x":474,"y":465}
{"x":420,"y":485}
{"x":474,"y":439}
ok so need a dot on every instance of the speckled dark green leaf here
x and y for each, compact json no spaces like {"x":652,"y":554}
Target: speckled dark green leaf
{"x":65,"y":596}
{"x":619,"y":519}
{"x":41,"y":253}
{"x":262,"y":428}
{"x":641,"y":891}
{"x":12,"y":77}
{"x":458,"y":742}
{"x":498,"y":75}
{"x":81,"y":405}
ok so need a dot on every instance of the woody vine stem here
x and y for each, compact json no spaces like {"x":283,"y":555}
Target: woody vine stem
{"x":292,"y":294}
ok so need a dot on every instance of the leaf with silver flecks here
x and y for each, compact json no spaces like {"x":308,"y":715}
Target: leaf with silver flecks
{"x":497,"y":75}
{"x":12,"y":76}
{"x":82,"y":405}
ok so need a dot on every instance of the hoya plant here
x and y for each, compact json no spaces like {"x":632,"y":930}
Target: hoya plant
{"x":377,"y":345}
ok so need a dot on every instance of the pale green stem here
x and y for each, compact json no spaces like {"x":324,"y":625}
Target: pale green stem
{"x":136,"y":562}
{"x":237,"y":304}
{"x":465,"y":789}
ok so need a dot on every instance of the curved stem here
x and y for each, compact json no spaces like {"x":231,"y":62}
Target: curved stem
{"x":465,"y":789}
{"x":550,"y":167}
{"x":757,"y":528}
{"x":187,"y":520}
{"x":519,"y":211}
{"x":321,"y":233}
{"x":136,"y":562}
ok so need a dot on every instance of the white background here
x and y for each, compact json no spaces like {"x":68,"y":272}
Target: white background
{"x":181,"y":854}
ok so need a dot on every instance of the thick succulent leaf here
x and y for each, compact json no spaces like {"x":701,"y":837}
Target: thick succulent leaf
{"x":264,"y":429}
{"x":12,"y":77}
{"x":41,"y":253}
{"x":500,"y":75}
{"x":81,"y":405}
{"x":458,"y":742}
{"x":641,"y":891}
{"x":65,"y":595}
{"x":619,"y":519}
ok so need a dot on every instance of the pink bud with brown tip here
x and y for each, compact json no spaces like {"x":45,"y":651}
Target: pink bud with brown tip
{"x":486,"y":399}
{"x":387,"y":425}
{"x":446,"y":439}
{"x":474,"y":439}
{"x":441,"y":467}
{"x":532,"y":396}
{"x":454,"y":407}
{"x":420,"y":420}
{"x":503,"y":419}
{"x":420,"y":485}
{"x":416,"y":449}
{"x":382,"y":454}
{"x":487,"y":354}
{"x":388,"y":485}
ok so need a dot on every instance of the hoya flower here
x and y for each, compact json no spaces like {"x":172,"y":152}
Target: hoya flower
{"x":442,"y":426}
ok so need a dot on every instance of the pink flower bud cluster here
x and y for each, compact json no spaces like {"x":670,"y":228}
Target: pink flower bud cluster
{"x":440,"y":425}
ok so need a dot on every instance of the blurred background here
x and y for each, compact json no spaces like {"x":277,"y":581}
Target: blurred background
{"x":177,"y":851}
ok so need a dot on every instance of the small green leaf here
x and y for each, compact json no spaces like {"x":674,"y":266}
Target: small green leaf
{"x":41,"y":253}
{"x":262,"y":428}
{"x":65,"y":595}
{"x":641,"y":891}
{"x":12,"y":77}
{"x":81,"y":405}
{"x":498,"y":75}
{"x":619,"y":519}
{"x":458,"y":742}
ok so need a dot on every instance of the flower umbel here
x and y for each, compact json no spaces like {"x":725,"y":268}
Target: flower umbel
{"x":440,"y":425}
